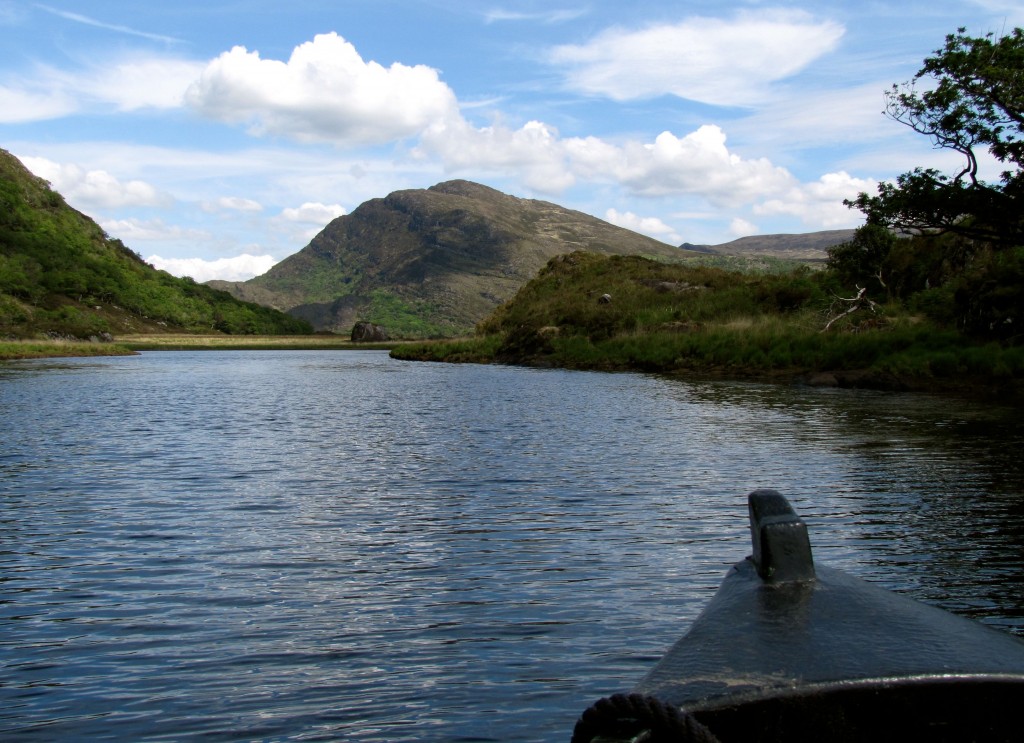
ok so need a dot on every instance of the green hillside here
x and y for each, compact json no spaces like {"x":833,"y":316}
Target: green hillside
{"x":61,"y":275}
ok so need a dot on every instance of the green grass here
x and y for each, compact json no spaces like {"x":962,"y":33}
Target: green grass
{"x":59,"y":349}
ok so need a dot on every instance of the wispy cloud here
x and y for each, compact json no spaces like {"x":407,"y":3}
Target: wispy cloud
{"x":86,"y":20}
{"x":724,"y":62}
{"x":548,"y":16}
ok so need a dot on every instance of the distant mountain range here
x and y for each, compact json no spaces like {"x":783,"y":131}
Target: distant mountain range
{"x":436,"y":261}
{"x":421,"y":263}
{"x":811,"y":246}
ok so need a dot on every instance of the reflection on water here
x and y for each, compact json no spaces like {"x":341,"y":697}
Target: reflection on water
{"x":318,"y":545}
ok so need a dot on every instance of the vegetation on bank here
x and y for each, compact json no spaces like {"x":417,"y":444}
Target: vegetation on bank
{"x":929,"y":292}
{"x":130,"y":344}
{"x":49,"y":349}
{"x":672,"y":318}
{"x":61,"y":276}
{"x":200,"y":342}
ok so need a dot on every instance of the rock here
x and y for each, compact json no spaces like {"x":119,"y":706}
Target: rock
{"x":368,"y":332}
{"x":823,"y":379}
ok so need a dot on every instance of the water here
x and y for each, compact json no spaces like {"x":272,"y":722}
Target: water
{"x":340,"y":546}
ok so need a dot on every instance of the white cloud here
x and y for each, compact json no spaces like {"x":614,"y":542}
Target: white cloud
{"x":88,"y":21}
{"x":644,"y":225}
{"x":711,"y":60}
{"x":239,"y":268}
{"x":18,"y":105}
{"x":156,"y":82}
{"x":94,"y":188}
{"x":135,"y":230}
{"x":820,"y":204}
{"x":232,"y":203}
{"x":821,"y":117}
{"x":313,"y":213}
{"x":742,"y":228}
{"x":544,"y":16}
{"x":534,"y":151}
{"x":128,"y":85}
{"x":700,"y":164}
{"x":324,"y":92}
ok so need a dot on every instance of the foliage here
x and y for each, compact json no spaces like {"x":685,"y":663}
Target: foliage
{"x":671,"y":318}
{"x":59,"y":273}
{"x":972,"y":97}
{"x":405,"y":318}
{"x":859,"y":262}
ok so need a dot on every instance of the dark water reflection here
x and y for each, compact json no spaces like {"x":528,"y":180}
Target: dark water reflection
{"x":319,"y":546}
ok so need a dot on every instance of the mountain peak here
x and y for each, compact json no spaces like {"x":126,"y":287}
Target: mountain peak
{"x":432,"y":261}
{"x":459,"y":187}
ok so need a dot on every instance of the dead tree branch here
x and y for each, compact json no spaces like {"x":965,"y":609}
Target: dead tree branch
{"x":860,"y":302}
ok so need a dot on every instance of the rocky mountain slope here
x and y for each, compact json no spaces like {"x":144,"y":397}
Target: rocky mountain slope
{"x":432,"y":262}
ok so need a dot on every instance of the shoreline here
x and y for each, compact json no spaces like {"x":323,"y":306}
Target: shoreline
{"x":129,"y":345}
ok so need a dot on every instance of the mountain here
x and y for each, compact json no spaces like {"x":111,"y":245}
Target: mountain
{"x":812,"y":246}
{"x":61,"y":275}
{"x":432,"y":262}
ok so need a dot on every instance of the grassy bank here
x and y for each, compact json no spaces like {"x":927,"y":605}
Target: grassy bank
{"x":128,"y":344}
{"x":586,"y":312}
{"x":184,"y":342}
{"x":59,"y":348}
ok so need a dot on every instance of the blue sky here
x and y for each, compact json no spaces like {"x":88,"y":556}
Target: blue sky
{"x":217,"y":137}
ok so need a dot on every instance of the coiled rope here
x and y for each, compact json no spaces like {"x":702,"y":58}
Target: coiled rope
{"x":627,"y":715}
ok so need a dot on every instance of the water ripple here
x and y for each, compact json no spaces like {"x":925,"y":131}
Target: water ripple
{"x":323,"y":546}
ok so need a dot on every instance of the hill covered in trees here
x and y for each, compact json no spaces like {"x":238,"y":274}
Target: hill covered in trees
{"x":62,"y":276}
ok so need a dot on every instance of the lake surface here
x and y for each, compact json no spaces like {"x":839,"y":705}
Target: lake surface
{"x":340,"y":546}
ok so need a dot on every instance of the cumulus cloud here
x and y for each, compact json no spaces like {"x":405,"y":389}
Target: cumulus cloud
{"x":313,"y":212}
{"x":820,"y":204}
{"x":239,"y":268}
{"x":94,"y":188}
{"x":698,"y":163}
{"x":534,"y":151}
{"x":233,"y":204}
{"x":739,"y":227}
{"x":324,"y":92}
{"x":644,"y":225}
{"x":711,"y":60}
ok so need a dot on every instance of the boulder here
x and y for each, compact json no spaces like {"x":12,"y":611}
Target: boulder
{"x":368,"y":332}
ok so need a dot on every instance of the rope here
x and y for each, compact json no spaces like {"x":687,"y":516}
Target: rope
{"x":626,"y":715}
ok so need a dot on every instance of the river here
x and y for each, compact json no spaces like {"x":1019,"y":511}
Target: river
{"x":339,"y":546}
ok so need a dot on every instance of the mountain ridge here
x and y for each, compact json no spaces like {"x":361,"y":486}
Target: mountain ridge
{"x":432,"y":261}
{"x":806,"y":246}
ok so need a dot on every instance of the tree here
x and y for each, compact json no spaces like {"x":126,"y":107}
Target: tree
{"x":971,"y":97}
{"x":860,"y":261}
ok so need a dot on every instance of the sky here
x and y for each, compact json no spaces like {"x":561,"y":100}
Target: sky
{"x":217,"y":137}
